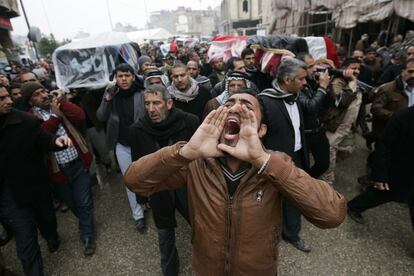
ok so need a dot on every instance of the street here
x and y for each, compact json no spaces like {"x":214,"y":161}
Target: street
{"x":383,"y":246}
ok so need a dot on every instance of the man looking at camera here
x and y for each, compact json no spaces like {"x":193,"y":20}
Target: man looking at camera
{"x":234,"y":189}
{"x":163,"y":125}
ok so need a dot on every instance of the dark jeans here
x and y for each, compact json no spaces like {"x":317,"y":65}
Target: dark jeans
{"x":22,"y":221}
{"x":77,"y":195}
{"x":372,"y":197}
{"x":318,"y":146}
{"x":292,"y":223}
{"x":170,"y":263}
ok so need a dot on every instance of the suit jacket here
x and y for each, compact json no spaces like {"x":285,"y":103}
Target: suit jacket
{"x":280,"y":134}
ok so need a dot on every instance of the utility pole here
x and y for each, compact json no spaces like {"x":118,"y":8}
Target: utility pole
{"x":109,"y":15}
{"x":28,"y":27}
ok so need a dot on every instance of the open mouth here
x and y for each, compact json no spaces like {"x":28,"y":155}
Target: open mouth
{"x":232,"y":129}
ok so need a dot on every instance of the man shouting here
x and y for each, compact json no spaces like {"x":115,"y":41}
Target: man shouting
{"x":235,"y":187}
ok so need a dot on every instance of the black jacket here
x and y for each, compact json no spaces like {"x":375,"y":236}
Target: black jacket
{"x":280,"y":134}
{"x":147,"y":137}
{"x":22,"y":150}
{"x":393,"y":156}
{"x":311,"y":102}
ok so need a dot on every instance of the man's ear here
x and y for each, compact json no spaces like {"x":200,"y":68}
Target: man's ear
{"x":170,"y":104}
{"x":286,"y":80}
{"x":262,"y":130}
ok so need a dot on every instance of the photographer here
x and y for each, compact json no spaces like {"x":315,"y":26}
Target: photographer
{"x":70,"y":166}
{"x":311,"y":99}
{"x":345,"y":99}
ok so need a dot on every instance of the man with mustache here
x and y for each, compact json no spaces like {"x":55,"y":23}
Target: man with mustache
{"x":391,"y":97}
{"x":163,"y":125}
{"x":235,"y":187}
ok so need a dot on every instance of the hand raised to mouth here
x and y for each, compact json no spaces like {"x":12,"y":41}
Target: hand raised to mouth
{"x":249,"y":148}
{"x":204,"y":142}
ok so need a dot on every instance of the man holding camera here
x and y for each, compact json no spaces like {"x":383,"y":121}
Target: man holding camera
{"x":68,"y":168}
{"x":311,"y":99}
{"x":345,"y":99}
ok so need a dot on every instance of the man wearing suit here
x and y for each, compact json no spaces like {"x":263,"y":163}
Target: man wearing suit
{"x":285,"y":133}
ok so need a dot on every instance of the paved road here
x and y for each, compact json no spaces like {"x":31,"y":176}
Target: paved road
{"x":384,"y":246}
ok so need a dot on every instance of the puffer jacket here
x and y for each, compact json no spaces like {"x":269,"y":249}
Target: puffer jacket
{"x":237,"y":235}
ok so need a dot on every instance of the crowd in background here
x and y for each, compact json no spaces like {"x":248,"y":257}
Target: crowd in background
{"x":312,"y":110}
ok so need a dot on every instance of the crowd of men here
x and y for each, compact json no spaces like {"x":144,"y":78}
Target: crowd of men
{"x":261,"y":151}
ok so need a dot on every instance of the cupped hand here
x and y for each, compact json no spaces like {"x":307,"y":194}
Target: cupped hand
{"x":203,"y":144}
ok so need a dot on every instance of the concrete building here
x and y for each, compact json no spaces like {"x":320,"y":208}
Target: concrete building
{"x":240,"y":16}
{"x":8,"y":9}
{"x":185,"y":21}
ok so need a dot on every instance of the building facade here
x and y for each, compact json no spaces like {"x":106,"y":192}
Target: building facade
{"x":240,"y":16}
{"x":185,"y":21}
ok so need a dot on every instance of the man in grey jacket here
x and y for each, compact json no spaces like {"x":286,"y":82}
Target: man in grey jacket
{"x":122,"y":105}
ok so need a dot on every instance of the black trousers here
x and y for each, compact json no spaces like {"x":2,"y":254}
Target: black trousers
{"x":292,"y":219}
{"x":318,"y":146}
{"x":372,"y":197}
{"x":170,"y":263}
{"x":24,"y":221}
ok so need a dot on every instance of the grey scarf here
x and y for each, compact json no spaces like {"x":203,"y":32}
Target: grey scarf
{"x":277,"y":93}
{"x":186,"y":96}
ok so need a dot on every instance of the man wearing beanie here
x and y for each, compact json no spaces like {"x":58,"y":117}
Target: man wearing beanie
{"x":25,"y":197}
{"x":144,"y":62}
{"x":68,"y":168}
{"x":121,"y":106}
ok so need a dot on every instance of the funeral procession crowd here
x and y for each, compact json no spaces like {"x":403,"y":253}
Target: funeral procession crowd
{"x":235,"y":150}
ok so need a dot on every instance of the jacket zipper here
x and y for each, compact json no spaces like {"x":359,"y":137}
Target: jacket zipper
{"x":229,"y":208}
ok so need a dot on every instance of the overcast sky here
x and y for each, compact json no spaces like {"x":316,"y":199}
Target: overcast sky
{"x":65,"y":18}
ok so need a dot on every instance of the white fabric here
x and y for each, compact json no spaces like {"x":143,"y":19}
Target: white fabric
{"x":294,"y":117}
{"x":317,"y":46}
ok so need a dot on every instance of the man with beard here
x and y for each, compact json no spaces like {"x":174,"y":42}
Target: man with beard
{"x":25,"y":197}
{"x":344,"y":103}
{"x":163,"y":125}
{"x":194,"y":69}
{"x":235,"y":187}
{"x":285,"y":133}
{"x":217,"y":65}
{"x":233,"y":83}
{"x":311,"y":99}
{"x":391,"y":97}
{"x":69,"y":168}
{"x":262,"y":81}
{"x":122,"y":105}
{"x":187,"y":94}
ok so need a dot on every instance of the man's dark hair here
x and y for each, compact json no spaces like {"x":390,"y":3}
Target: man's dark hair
{"x":369,"y":50}
{"x":123,"y":67}
{"x":253,"y":92}
{"x":231,"y":61}
{"x":14,"y":85}
{"x":350,"y":61}
{"x":246,"y":51}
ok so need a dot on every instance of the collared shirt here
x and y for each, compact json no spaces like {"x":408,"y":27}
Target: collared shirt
{"x":66,"y":155}
{"x":293,"y":111}
{"x":410,"y":94}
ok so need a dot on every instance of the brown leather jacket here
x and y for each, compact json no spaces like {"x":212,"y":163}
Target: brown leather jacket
{"x":389,"y":98}
{"x":238,"y":235}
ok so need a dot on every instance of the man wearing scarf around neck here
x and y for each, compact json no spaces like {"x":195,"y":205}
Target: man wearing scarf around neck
{"x":163,"y":125}
{"x":233,"y":83}
{"x":285,"y":133}
{"x":121,"y":106}
{"x":186,"y":93}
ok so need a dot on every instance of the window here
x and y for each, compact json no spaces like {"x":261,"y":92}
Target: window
{"x":245,"y":6}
